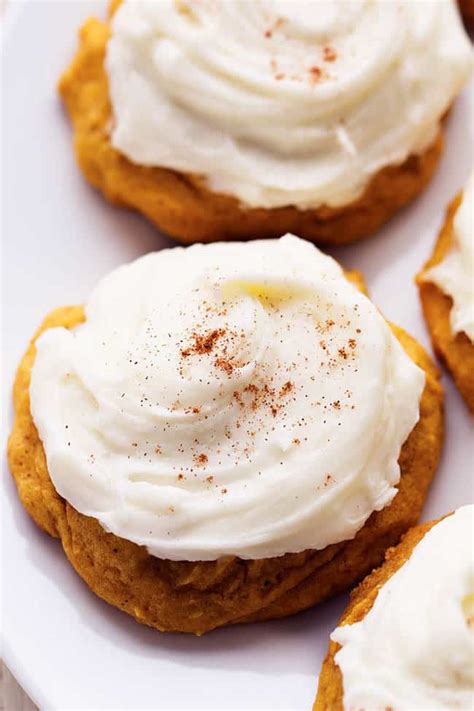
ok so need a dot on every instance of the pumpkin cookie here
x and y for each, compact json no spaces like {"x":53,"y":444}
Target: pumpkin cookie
{"x":256,"y":141}
{"x":226,"y":433}
{"x":446,"y":287}
{"x":390,"y":650}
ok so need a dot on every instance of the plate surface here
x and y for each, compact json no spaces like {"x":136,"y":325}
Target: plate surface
{"x":67,"y":648}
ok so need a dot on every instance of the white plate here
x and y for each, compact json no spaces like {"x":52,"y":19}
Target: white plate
{"x":66,"y":647}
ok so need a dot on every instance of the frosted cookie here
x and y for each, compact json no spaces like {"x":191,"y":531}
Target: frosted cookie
{"x":446,"y":287}
{"x":406,"y":640}
{"x":220,"y":123}
{"x":224,"y":433}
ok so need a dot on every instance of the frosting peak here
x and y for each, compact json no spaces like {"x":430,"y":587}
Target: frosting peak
{"x":237,"y":398}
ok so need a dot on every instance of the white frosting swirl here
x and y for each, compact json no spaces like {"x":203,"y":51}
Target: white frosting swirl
{"x":455,"y":274}
{"x":283,"y":102}
{"x":226,"y":399}
{"x":415,"y":648}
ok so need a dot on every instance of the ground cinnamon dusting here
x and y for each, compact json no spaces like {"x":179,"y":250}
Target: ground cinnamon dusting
{"x":316,"y":74}
{"x":203,"y":344}
{"x":269,"y":33}
{"x":287,"y":388}
{"x":329,"y":54}
{"x":201,"y":459}
{"x":225,"y":365}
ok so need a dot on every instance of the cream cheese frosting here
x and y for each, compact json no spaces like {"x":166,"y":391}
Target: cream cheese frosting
{"x":234,"y":398}
{"x":455,"y":274}
{"x":415,"y":648}
{"x":283,"y":102}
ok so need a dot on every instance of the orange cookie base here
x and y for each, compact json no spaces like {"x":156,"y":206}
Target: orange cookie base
{"x":200,"y":596}
{"x":455,"y":350}
{"x":180,"y":204}
{"x":330,"y":689}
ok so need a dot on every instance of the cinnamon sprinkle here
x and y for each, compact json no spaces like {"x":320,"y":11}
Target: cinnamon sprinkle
{"x":316,"y":74}
{"x":201,"y":459}
{"x":203,"y":344}
{"x":329,"y":54}
{"x":278,"y":23}
{"x":225,"y":365}
{"x":287,"y":388}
